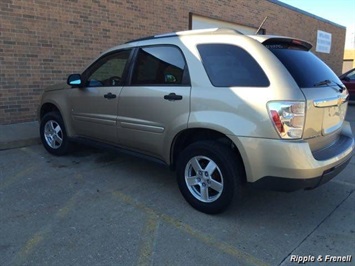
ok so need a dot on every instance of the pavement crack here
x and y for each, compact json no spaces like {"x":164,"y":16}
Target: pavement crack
{"x":324,"y":219}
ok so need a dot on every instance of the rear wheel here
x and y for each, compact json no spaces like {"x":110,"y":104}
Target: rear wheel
{"x":53,"y":134}
{"x":208,"y":175}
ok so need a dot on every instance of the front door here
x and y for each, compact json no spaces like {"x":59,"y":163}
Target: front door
{"x":94,"y":106}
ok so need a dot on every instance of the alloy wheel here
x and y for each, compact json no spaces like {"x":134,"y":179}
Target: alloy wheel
{"x":53,"y":134}
{"x":204,"y":179}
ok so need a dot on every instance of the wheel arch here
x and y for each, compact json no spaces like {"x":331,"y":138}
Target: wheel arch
{"x":46,"y":108}
{"x":191,"y":135}
{"x":50,"y":106}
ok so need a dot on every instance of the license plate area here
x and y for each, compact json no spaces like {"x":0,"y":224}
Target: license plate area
{"x":333,"y":118}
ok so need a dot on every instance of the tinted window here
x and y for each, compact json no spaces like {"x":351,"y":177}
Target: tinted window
{"x":228,"y":65}
{"x":306,"y":68}
{"x":159,"y":65}
{"x":108,"y":71}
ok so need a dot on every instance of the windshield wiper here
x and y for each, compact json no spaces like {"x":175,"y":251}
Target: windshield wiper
{"x":328,"y":82}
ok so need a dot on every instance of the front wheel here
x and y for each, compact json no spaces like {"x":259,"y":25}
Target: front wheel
{"x":208,"y":174}
{"x":53,"y":134}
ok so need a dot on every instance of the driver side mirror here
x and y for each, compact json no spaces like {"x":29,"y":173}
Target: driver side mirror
{"x":74,"y":80}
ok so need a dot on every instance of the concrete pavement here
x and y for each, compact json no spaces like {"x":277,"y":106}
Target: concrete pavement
{"x":95,"y":207}
{"x":19,"y":135}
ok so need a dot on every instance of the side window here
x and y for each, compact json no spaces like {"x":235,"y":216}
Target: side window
{"x":159,"y":65}
{"x":228,"y":65}
{"x":108,"y":71}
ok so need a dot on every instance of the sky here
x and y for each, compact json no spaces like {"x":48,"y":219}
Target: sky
{"x":341,"y":12}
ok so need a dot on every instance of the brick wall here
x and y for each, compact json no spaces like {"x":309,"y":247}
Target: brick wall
{"x":42,"y":41}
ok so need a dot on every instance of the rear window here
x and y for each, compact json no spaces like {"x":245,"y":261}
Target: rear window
{"x":306,"y":68}
{"x":229,"y":65}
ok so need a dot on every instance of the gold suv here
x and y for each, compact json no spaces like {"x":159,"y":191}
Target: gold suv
{"x":219,"y":107}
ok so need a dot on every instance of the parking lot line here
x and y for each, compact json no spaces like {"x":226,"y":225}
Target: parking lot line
{"x":8,"y":181}
{"x":30,"y":246}
{"x":149,"y":238}
{"x":44,"y":232}
{"x":152,"y":227}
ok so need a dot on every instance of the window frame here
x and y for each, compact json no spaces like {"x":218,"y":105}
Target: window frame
{"x":186,"y":81}
{"x":98,"y":63}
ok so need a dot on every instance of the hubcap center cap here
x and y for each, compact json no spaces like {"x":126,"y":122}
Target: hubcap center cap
{"x":203,"y":178}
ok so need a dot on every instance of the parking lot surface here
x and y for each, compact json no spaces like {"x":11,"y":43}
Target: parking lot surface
{"x":96,"y":207}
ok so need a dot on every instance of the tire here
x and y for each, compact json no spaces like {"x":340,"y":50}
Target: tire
{"x":208,"y":174}
{"x":53,"y":134}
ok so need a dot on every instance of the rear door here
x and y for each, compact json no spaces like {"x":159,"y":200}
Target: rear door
{"x":325,"y":94}
{"x":156,"y":103}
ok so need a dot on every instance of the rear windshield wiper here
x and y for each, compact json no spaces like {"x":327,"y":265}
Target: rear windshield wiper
{"x":328,"y":82}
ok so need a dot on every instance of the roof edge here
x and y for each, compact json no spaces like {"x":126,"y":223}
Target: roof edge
{"x":189,"y":32}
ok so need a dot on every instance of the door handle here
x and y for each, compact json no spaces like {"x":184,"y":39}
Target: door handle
{"x":110,"y":96}
{"x":173,"y":97}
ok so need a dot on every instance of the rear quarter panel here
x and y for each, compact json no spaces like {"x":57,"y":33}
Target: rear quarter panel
{"x":238,"y":111}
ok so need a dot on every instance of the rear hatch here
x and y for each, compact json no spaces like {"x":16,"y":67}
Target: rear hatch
{"x":326,"y":96}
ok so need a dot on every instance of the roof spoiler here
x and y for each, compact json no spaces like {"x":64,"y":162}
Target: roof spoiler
{"x":281,"y":42}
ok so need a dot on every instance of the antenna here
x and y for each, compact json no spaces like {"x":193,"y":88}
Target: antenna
{"x":262,"y":23}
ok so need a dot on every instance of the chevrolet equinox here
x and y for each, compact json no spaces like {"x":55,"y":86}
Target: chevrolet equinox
{"x":219,"y":107}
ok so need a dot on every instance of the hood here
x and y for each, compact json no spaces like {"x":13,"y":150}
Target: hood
{"x":59,"y":86}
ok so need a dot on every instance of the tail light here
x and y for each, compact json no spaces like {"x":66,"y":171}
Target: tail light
{"x":288,"y":118}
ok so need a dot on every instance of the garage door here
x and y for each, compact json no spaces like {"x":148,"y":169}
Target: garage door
{"x":200,"y":22}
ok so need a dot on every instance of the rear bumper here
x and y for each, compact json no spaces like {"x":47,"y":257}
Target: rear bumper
{"x":291,"y":165}
{"x":288,"y":185}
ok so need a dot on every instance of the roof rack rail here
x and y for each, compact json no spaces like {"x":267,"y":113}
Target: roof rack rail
{"x":187,"y":32}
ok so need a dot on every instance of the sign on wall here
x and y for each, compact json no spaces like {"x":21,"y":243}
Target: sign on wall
{"x":324,"y":42}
